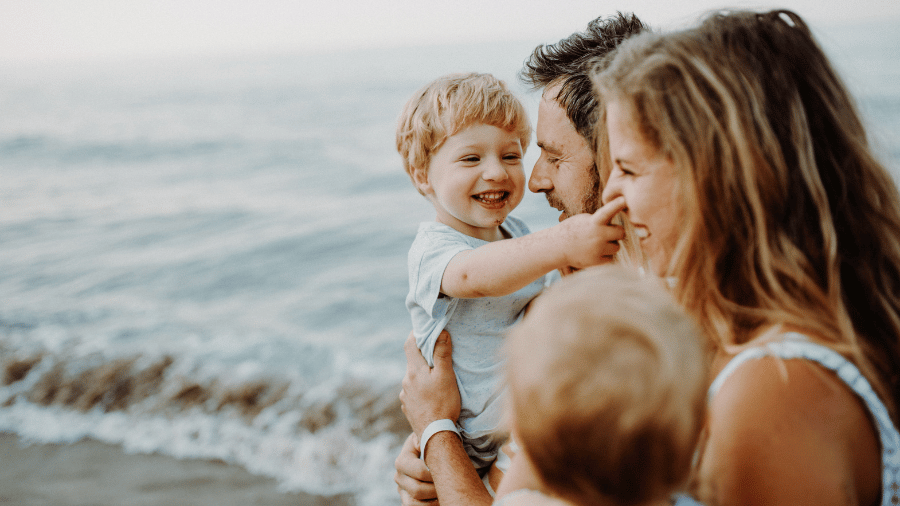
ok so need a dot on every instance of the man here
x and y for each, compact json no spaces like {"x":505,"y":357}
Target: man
{"x":566,"y":171}
{"x":567,"y":174}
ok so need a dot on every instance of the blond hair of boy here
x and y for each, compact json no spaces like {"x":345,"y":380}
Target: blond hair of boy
{"x":449,"y":104}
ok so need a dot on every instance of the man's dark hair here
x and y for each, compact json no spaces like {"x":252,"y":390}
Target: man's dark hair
{"x":570,"y":61}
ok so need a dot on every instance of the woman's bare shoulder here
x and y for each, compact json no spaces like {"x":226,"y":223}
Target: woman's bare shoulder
{"x":788,"y":432}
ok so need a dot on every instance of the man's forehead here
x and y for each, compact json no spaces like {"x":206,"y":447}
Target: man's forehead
{"x":551,"y":92}
{"x":553,"y":124}
{"x":550,"y":146}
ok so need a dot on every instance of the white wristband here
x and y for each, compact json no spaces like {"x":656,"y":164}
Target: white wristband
{"x":432,"y":429}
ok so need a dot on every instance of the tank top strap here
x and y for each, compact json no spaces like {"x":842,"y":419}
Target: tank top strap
{"x":795,"y":345}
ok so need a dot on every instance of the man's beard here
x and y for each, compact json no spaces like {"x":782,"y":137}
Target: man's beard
{"x":588,"y":203}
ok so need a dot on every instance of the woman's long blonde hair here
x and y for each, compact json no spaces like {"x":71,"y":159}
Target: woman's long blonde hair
{"x":790,"y":219}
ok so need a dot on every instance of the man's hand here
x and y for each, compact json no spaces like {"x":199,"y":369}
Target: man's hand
{"x":429,"y":394}
{"x":413,"y":479}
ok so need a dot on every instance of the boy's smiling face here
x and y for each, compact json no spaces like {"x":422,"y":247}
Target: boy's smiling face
{"x":475,"y":179}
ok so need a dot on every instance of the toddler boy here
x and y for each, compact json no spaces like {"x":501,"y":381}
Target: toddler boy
{"x":474,"y":269}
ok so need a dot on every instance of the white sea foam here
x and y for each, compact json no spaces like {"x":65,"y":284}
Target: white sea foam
{"x":332,"y":451}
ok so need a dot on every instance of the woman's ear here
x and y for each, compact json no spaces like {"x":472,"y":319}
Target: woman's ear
{"x":420,"y":179}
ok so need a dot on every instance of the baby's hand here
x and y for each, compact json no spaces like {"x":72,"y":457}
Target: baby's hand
{"x":589,"y":239}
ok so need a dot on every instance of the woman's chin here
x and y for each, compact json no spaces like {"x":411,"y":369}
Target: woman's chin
{"x":656,"y":263}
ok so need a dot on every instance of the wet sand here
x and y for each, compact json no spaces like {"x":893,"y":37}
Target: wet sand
{"x":97,"y":474}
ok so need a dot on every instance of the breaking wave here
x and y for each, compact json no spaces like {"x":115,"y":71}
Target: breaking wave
{"x":335,"y":437}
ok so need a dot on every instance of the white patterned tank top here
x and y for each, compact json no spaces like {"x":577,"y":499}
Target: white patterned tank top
{"x":795,"y":346}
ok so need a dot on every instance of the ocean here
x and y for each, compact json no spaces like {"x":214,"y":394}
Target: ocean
{"x":206,"y":258}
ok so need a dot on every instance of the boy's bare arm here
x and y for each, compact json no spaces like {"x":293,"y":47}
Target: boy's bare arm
{"x":502,"y":267}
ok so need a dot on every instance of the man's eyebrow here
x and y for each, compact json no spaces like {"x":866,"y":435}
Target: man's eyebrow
{"x":552,"y":148}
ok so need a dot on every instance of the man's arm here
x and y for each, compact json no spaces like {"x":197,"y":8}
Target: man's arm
{"x":431,"y":394}
{"x":502,"y":267}
{"x":455,"y":479}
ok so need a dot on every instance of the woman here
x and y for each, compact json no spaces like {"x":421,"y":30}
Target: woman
{"x":745,"y":166}
{"x":747,"y":174}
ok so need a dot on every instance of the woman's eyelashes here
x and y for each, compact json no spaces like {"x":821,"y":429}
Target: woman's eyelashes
{"x":624,"y":170}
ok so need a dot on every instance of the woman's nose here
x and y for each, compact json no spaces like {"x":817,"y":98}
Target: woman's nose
{"x":612,"y":189}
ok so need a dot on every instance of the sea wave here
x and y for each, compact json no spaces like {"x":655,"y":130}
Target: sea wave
{"x":334,"y":437}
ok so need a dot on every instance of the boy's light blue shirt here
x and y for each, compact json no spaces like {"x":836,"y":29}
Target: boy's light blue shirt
{"x":477,"y":326}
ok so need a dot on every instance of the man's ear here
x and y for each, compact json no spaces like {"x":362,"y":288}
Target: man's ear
{"x":420,"y":179}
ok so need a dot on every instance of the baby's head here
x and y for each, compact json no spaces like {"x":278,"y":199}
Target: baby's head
{"x":607,"y":382}
{"x":449,"y":105}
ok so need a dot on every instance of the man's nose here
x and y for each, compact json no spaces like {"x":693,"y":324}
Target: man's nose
{"x":540,"y":180}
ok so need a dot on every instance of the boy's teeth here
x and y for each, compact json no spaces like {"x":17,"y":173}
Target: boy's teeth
{"x":490,"y":196}
{"x":641,"y":232}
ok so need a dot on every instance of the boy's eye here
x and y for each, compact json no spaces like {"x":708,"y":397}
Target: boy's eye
{"x":470,"y":159}
{"x":512,"y":157}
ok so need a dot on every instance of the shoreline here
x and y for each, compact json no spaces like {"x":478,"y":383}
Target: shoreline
{"x":101,"y":474}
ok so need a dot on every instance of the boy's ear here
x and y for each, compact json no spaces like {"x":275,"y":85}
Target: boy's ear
{"x":420,"y":178}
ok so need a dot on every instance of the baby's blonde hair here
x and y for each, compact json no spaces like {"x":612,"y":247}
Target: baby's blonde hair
{"x":607,"y":379}
{"x":451,"y":103}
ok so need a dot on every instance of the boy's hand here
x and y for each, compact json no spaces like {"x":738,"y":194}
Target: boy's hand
{"x":589,"y":239}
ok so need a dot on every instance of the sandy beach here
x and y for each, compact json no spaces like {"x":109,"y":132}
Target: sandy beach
{"x":98,"y":474}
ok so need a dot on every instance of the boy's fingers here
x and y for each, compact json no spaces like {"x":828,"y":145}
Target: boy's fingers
{"x":610,"y":249}
{"x":605,"y":214}
{"x":618,"y":234}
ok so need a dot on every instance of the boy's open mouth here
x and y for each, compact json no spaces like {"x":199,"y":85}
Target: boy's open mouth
{"x":491,"y":197}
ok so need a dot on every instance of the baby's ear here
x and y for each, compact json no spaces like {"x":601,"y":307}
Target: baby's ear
{"x":420,"y":179}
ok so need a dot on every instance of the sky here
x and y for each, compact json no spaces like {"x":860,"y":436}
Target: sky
{"x":33,"y":30}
